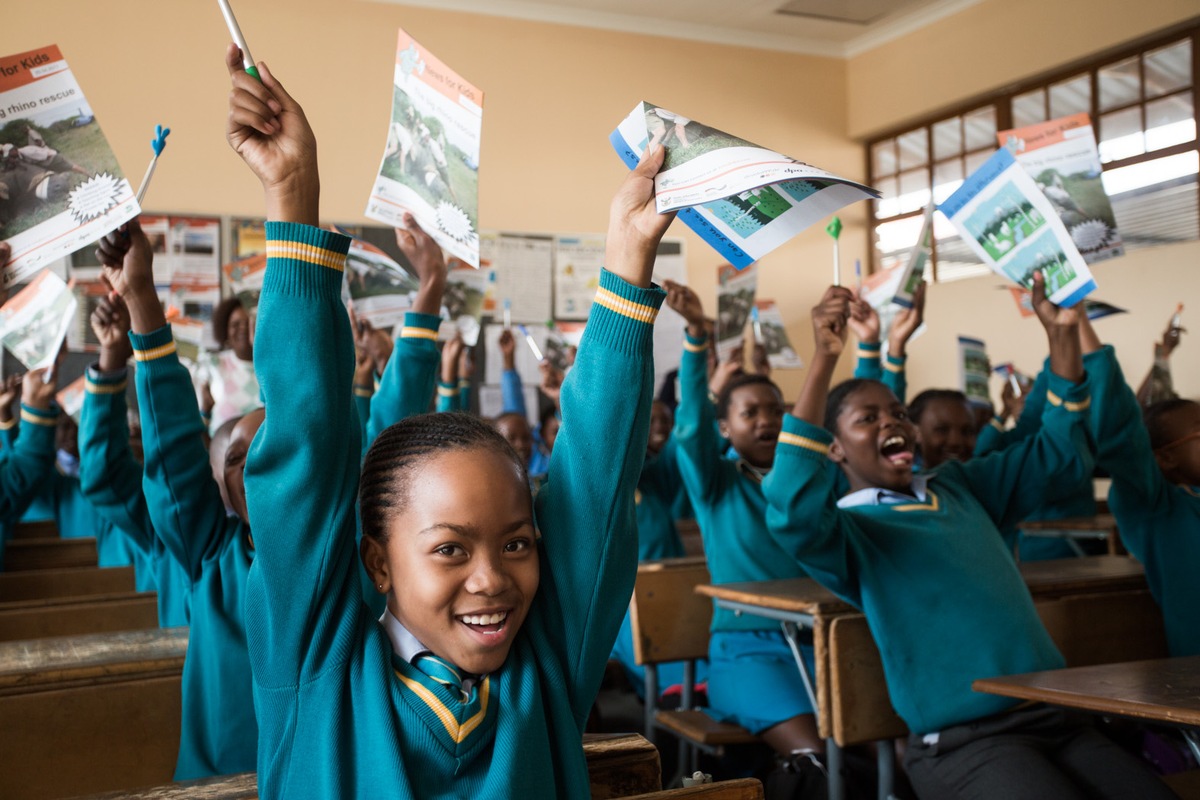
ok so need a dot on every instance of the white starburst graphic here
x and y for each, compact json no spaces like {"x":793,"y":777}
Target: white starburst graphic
{"x":93,"y":197}
{"x":454,"y":222}
{"x":1090,"y":235}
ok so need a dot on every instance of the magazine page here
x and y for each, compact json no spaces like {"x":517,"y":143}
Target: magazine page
{"x":34,"y":323}
{"x":914,"y":271}
{"x":742,"y":199}
{"x":430,"y":166}
{"x":70,"y":398}
{"x":1061,"y":156}
{"x":880,"y":289}
{"x":1019,"y":381}
{"x":1007,"y":221}
{"x":771,"y":333}
{"x":381,"y":290}
{"x":463,"y":302}
{"x":60,"y":185}
{"x":1094,"y":308}
{"x":670,"y":264}
{"x":80,"y":336}
{"x":973,"y":370}
{"x":735,"y":298}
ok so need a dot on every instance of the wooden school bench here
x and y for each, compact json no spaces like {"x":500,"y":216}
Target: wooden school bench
{"x":49,"y":553}
{"x":43,"y":584}
{"x":620,"y":765}
{"x":42,"y":529}
{"x":1073,"y":530}
{"x":73,"y":616}
{"x":90,"y":713}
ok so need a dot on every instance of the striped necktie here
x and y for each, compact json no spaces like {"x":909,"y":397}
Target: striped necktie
{"x":443,"y":672}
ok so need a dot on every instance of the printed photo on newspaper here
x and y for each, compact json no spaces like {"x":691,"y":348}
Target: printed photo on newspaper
{"x":1006,"y":220}
{"x":914,"y":271}
{"x":744,"y":200}
{"x":771,"y":333}
{"x":974,"y":370}
{"x":1061,"y":156}
{"x":34,"y":323}
{"x":381,"y":290}
{"x":430,"y":166}
{"x":735,"y":298}
{"x":60,"y":185}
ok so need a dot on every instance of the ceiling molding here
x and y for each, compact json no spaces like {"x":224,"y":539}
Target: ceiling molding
{"x":878,"y":34}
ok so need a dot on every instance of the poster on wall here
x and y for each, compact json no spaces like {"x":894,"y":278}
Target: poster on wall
{"x":974,"y":370}
{"x":578,"y":261}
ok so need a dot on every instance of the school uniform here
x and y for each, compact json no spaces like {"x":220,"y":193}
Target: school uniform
{"x":942,"y":595}
{"x":874,"y":365}
{"x":512,"y":401}
{"x":746,"y":653}
{"x":110,"y":480}
{"x":218,"y":735}
{"x":362,"y":412}
{"x":25,"y":467}
{"x":342,"y":713}
{"x":1159,"y":521}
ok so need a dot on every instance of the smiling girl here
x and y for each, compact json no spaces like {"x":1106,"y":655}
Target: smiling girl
{"x":505,"y":610}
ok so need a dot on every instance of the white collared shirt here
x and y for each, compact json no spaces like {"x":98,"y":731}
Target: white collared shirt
{"x":872,"y":496}
{"x":408,"y":647}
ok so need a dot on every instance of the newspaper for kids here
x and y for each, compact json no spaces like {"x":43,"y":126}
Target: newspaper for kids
{"x":1007,"y":221}
{"x":973,"y":370}
{"x":770,"y":332}
{"x":70,"y":398}
{"x":381,"y":290}
{"x":1019,"y":381}
{"x":914,"y":270}
{"x":80,"y":336}
{"x":735,"y":298}
{"x":430,"y":167}
{"x":1095,"y":309}
{"x":561,"y":338}
{"x":744,"y":200}
{"x":880,"y":289}
{"x":60,"y":185}
{"x":463,"y":301}
{"x":34,"y":323}
{"x":1061,"y":156}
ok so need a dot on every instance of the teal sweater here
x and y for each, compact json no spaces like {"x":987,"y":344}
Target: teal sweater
{"x":657,"y":492}
{"x":214,"y":552}
{"x":874,"y":365}
{"x":1159,"y":521}
{"x":941,"y":594}
{"x":111,"y":481}
{"x":340,"y":715}
{"x":727,"y":499}
{"x":25,"y":468}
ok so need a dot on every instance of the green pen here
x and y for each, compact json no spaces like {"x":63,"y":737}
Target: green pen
{"x":238,"y":39}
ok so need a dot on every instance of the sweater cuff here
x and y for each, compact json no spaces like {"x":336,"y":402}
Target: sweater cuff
{"x":363,"y":391}
{"x":420,"y":326}
{"x":304,"y":261}
{"x":150,"y":347}
{"x":98,"y":382}
{"x":1073,"y":397}
{"x":623,"y":314}
{"x":893,"y":364}
{"x":692,"y":344}
{"x":447,"y":389}
{"x":869,"y":349}
{"x":8,"y":424}
{"x":801,"y":439}
{"x":36,"y":416}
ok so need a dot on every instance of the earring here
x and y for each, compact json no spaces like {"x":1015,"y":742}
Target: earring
{"x":380,"y":585}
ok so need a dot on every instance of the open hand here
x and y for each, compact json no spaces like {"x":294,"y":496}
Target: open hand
{"x":634,"y":225}
{"x":906,"y":322}
{"x":110,"y":322}
{"x":36,"y":391}
{"x":686,"y":303}
{"x":830,"y":320}
{"x":863,"y":320}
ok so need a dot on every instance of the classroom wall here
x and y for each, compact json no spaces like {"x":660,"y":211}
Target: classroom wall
{"x":979,"y":50}
{"x":553,"y":94}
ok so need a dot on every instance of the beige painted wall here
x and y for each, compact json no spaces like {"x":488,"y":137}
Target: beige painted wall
{"x":553,"y":93}
{"x":980,"y":50}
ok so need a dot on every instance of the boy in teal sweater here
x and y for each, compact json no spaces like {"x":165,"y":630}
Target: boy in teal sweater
{"x":504,"y":611}
{"x":214,"y":551}
{"x":923,"y":558}
{"x":745,"y":653}
{"x":109,"y":476}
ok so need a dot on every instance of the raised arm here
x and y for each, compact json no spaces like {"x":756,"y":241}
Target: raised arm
{"x":512,"y":392}
{"x":904,"y":325}
{"x":26,"y":467}
{"x":447,"y":390}
{"x":586,"y":510}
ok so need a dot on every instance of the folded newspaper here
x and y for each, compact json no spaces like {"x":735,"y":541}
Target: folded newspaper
{"x":34,"y":323}
{"x":381,"y":290}
{"x":744,"y":200}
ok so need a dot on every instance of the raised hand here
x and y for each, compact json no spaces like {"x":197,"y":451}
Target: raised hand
{"x":268,"y":129}
{"x":634,"y":225}
{"x":686,"y":303}
{"x":110,"y":322}
{"x":429,"y":262}
{"x":1062,"y":331}
{"x":830,"y":320}
{"x":508,"y":348}
{"x":36,"y":391}
{"x":726,"y":371}
{"x":551,"y":383}
{"x":864,"y":320}
{"x":127,"y":266}
{"x":10,"y":387}
{"x":451,"y":352}
{"x":466,"y":364}
{"x":906,"y":322}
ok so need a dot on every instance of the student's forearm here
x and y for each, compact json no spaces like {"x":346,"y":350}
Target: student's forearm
{"x":429,"y":296}
{"x":145,"y":312}
{"x":810,"y":406}
{"x":1088,"y":340}
{"x":111,"y":360}
{"x":297,"y":198}
{"x":1066,"y":354}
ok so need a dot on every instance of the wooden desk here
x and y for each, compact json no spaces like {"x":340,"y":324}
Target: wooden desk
{"x":23,"y":554}
{"x":42,"y":529}
{"x":43,"y":584}
{"x":1073,"y":529}
{"x":620,"y":765}
{"x":1163,"y":690}
{"x":90,"y":713}
{"x":76,"y":616}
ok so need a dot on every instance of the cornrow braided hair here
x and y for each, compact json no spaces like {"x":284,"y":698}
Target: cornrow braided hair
{"x":383,"y":489}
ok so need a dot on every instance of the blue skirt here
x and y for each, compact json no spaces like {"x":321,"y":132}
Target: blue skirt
{"x":753,"y":680}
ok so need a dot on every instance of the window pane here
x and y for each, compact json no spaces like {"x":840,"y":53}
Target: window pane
{"x":975,"y":160}
{"x":914,"y":148}
{"x":1029,"y":108}
{"x":883,"y":158}
{"x":1168,"y":69}
{"x":894,"y":240}
{"x":954,"y":258}
{"x":1155,"y":201}
{"x":947,"y":176}
{"x":1121,"y":134}
{"x":980,"y":128}
{"x":947,"y":138}
{"x":1170,"y":121}
{"x":1119,"y":84}
{"x":1071,"y":97}
{"x":914,"y":190}
{"x":886,"y":205}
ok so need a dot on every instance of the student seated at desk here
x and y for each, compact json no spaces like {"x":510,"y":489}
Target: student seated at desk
{"x":923,"y":558}
{"x":1155,"y":498}
{"x":501,"y":611}
{"x":753,"y":678}
{"x":110,"y":478}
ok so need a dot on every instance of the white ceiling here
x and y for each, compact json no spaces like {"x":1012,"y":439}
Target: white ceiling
{"x":839,"y":28}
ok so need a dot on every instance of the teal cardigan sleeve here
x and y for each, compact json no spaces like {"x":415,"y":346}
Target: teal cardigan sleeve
{"x":447,"y":397}
{"x":873,"y":365}
{"x":185,"y":504}
{"x":8,"y":435}
{"x":695,"y":433}
{"x":362,"y":410}
{"x":585,"y":513}
{"x":994,"y":437}
{"x":409,"y":377}
{"x":464,"y":395}
{"x":26,"y":467}
{"x":512,"y":394}
{"x":109,"y":476}
{"x":302,"y":469}
{"x":802,"y":491}
{"x":1014,"y":482}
